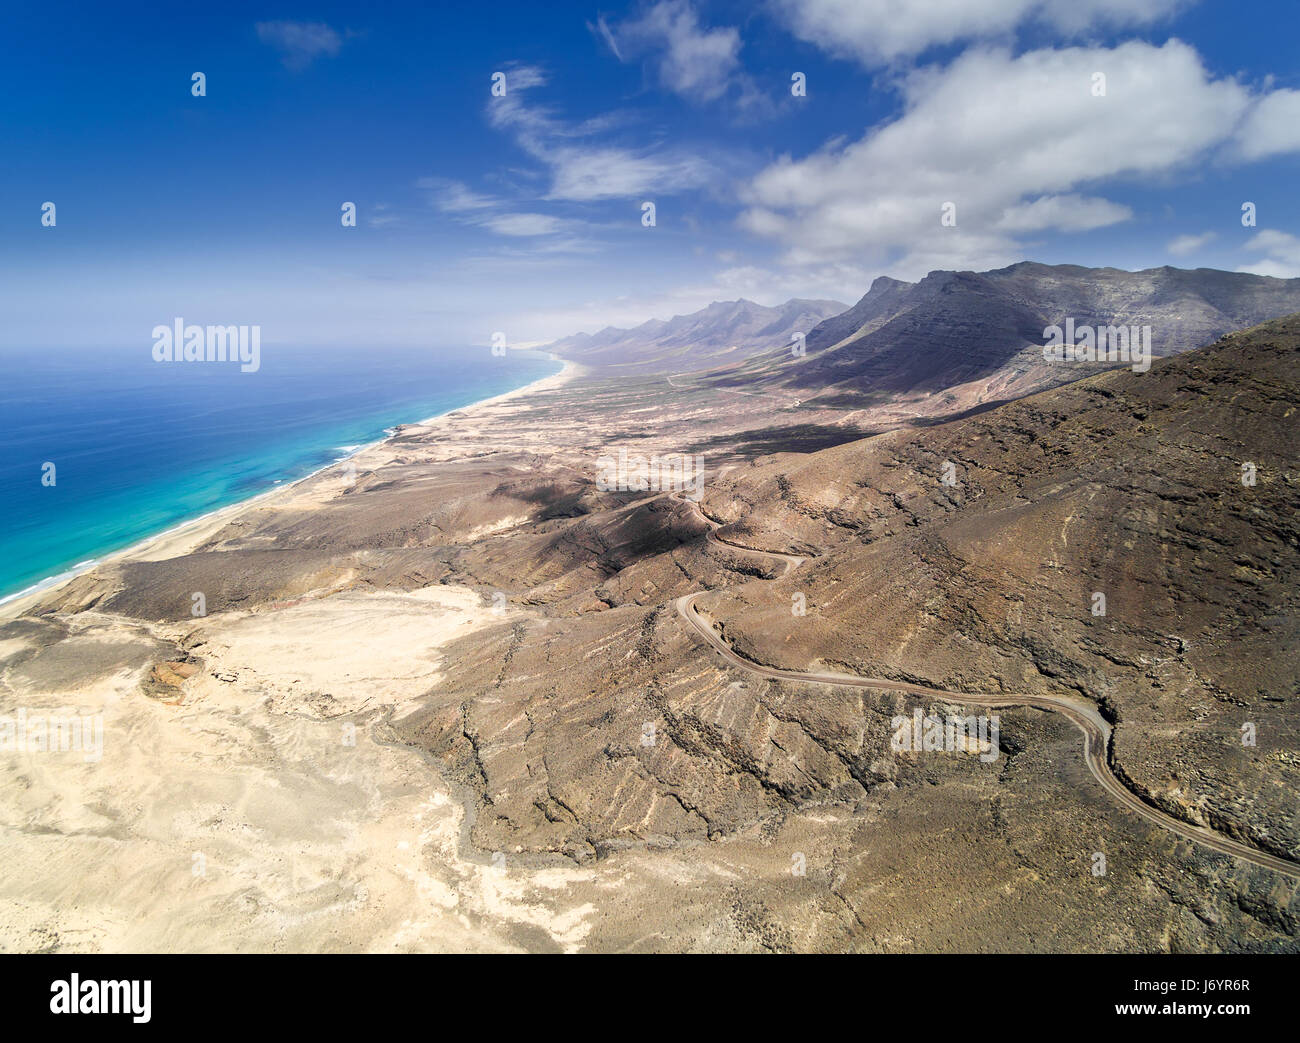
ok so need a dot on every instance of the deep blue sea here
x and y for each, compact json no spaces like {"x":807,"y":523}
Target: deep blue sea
{"x":140,"y":446}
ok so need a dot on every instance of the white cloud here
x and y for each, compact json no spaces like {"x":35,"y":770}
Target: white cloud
{"x":300,"y":43}
{"x":1283,"y":250}
{"x":690,"y":60}
{"x":1007,"y":139}
{"x":1272,"y":127}
{"x":1190,"y":244}
{"x":1068,"y":213}
{"x":582,"y":170}
{"x":700,"y":64}
{"x":875,"y":32}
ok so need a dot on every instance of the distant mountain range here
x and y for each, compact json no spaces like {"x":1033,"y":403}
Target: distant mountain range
{"x":982,"y":332}
{"x":724,"y":333}
{"x":972,"y":337}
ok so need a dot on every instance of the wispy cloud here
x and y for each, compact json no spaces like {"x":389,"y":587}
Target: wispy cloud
{"x":689,"y":59}
{"x":602,"y":29}
{"x":1282,"y":252}
{"x":582,"y":168}
{"x":300,"y":43}
{"x":1189,"y":244}
{"x":522,"y":224}
{"x":454,"y":197}
{"x":380,"y":216}
{"x":696,"y":62}
{"x":495,"y":214}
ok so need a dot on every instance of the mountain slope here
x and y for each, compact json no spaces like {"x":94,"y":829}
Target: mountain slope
{"x":1126,"y":485}
{"x":978,"y":337}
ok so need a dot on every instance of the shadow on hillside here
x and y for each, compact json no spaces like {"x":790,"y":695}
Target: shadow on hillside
{"x":797,"y":438}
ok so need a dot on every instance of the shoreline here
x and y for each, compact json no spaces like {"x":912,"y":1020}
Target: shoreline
{"x":187,"y":534}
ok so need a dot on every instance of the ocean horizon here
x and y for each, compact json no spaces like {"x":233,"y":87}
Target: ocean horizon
{"x":102,"y":450}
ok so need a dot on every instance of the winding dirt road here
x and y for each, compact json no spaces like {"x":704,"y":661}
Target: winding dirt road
{"x":1083,"y":715}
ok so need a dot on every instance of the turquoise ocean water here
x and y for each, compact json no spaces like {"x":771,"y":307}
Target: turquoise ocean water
{"x":140,"y":446}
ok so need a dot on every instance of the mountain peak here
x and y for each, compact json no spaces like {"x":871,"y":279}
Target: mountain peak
{"x":978,"y":336}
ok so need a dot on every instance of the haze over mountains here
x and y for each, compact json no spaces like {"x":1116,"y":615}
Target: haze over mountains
{"x":968,"y":337}
{"x":724,"y":333}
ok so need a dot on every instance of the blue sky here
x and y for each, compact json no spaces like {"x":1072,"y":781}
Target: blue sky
{"x":523,"y":213}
